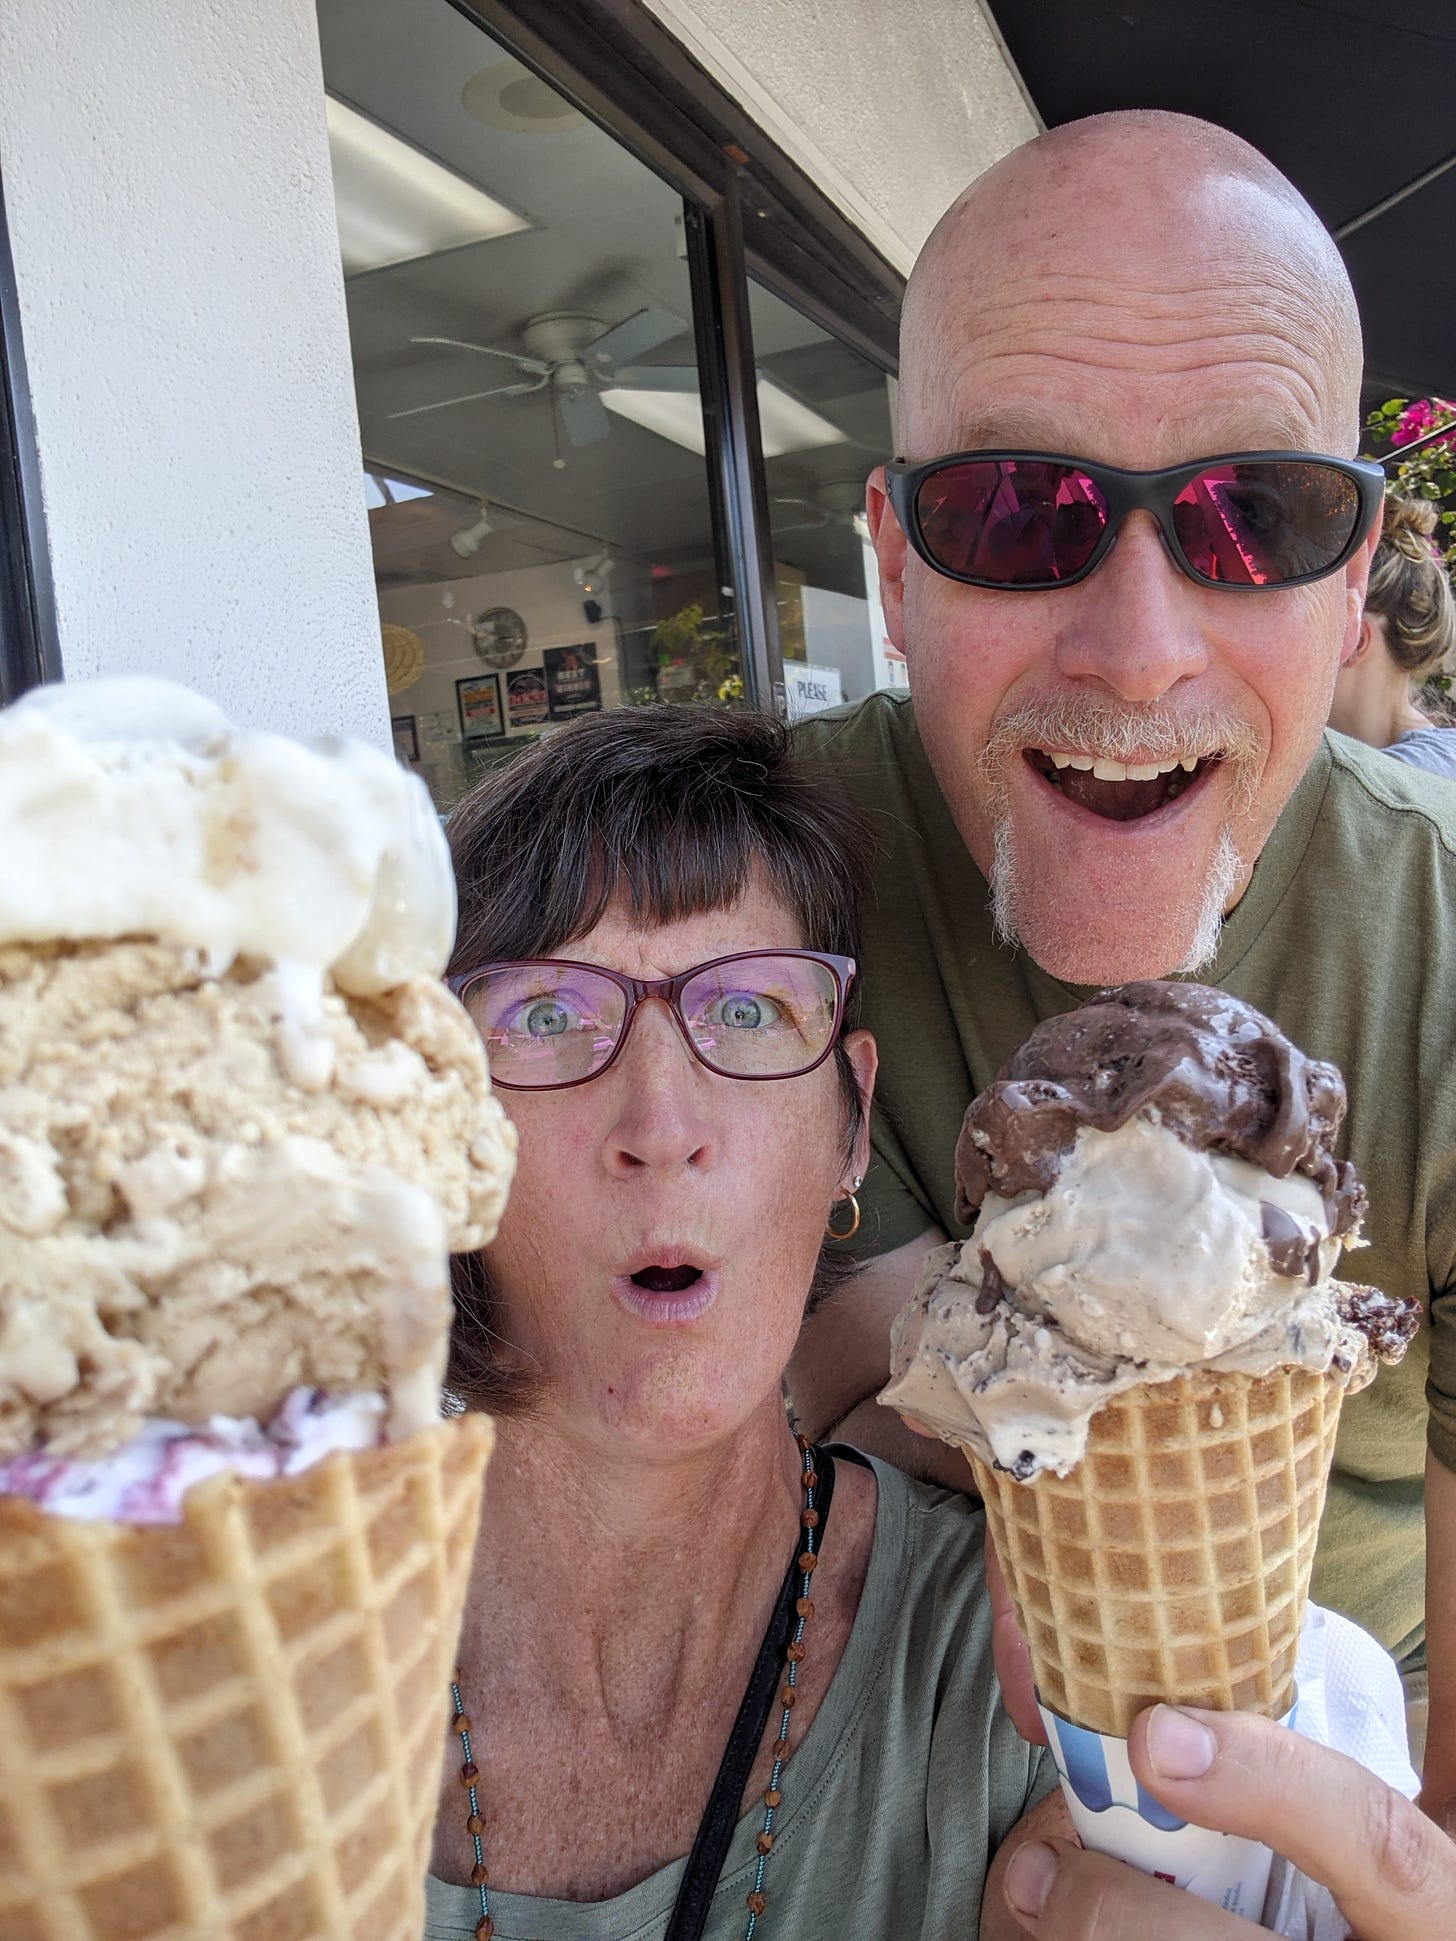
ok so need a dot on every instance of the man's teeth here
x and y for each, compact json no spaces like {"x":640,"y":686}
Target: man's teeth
{"x":1105,"y":770}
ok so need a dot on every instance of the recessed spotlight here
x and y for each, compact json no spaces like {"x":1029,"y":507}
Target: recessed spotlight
{"x":505,"y":95}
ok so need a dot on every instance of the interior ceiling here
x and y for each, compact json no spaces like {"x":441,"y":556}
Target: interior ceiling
{"x":1353,"y":99}
{"x":605,"y":239}
{"x":411,"y":541}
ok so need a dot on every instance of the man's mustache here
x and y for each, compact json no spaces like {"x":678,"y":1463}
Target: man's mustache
{"x":1079,"y":723}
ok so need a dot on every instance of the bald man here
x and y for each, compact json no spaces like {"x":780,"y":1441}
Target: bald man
{"x":1112,"y":763}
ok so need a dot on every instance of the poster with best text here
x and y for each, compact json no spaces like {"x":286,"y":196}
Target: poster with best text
{"x":573,"y":685}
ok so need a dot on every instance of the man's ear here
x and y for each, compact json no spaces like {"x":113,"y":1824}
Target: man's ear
{"x":1364,"y":641}
{"x":1357,"y":635}
{"x":887,"y":536}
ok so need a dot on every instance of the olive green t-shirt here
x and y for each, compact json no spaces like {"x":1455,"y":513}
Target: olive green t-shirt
{"x":1346,"y":937}
{"x":908,"y":1780}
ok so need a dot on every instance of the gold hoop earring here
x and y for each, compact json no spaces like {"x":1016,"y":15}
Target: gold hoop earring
{"x":831,"y":1232}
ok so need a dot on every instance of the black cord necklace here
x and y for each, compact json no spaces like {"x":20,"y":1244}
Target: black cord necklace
{"x":782,"y":1652}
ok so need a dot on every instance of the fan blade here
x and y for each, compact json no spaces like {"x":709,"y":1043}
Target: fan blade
{"x":583,"y":416}
{"x":532,"y":364}
{"x":822,"y":516}
{"x":470,"y":397}
{"x":644,"y":330}
{"x":659,"y":377}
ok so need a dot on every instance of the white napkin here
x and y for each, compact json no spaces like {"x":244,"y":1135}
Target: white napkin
{"x":1350,"y":1697}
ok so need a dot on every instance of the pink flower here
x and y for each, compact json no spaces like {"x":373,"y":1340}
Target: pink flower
{"x":1413,"y":421}
{"x":1421,"y":418}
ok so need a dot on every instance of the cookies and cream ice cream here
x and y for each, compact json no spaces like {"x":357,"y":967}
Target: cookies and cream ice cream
{"x":1155,"y":1192}
{"x":242,"y":1123}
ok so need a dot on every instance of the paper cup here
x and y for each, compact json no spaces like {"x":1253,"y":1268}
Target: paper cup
{"x":1114,"y":1815}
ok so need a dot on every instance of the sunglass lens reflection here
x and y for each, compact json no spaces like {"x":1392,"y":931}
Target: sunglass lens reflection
{"x":1265,"y":523}
{"x":1012,"y":522}
{"x":546,"y":1024}
{"x":762,"y":1017}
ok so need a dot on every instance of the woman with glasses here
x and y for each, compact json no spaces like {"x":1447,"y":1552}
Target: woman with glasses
{"x":1383,"y":693}
{"x":713,"y":1682}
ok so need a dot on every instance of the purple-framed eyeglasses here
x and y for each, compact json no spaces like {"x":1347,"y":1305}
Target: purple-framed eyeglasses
{"x":549,"y":1022}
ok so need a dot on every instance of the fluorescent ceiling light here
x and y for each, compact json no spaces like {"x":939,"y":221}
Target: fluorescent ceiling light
{"x":786,"y":425}
{"x":394,"y":203}
{"x":789,"y":426}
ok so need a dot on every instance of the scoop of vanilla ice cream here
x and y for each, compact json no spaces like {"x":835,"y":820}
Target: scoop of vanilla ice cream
{"x":132,"y":808}
{"x":1149,"y":1249}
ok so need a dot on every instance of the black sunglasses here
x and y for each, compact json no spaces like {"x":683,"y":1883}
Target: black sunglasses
{"x":1034,"y":520}
{"x":549,"y":1022}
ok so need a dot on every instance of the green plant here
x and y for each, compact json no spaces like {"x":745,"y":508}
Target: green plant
{"x":698,"y":659}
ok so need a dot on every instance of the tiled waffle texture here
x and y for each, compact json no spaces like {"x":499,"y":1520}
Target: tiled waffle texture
{"x":232,"y":1729}
{"x":1173,"y":1562}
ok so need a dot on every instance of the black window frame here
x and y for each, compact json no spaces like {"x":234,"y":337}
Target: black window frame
{"x":29,"y":649}
{"x":749,"y":209}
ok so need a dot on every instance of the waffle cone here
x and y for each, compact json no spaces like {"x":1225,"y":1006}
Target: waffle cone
{"x":1173,"y":1562}
{"x":231,"y":1727}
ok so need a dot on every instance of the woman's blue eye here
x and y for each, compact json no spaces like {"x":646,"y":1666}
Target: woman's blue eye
{"x":546,"y":1018}
{"x":548,"y":1015}
{"x":746,"y":1011}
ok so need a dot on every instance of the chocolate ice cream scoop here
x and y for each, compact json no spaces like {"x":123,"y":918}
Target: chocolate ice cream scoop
{"x":1217,"y":1073}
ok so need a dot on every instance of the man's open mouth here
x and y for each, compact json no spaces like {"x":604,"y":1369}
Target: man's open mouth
{"x":1119,"y":791}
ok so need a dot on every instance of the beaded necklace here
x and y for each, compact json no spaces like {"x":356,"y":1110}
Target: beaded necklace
{"x":807,"y":1560}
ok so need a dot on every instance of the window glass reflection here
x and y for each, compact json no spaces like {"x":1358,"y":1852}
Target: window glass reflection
{"x":521,"y":320}
{"x":826,"y":584}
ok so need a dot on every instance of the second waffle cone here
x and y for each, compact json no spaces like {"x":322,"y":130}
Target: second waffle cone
{"x":1173,"y":1562}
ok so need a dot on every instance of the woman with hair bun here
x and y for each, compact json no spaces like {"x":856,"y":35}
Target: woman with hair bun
{"x":1407,"y":637}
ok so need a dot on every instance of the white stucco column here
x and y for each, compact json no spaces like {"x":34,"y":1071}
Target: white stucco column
{"x":165,"y":170}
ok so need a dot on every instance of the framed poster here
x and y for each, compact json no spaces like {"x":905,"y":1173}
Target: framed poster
{"x":478,"y":698}
{"x":406,"y":738}
{"x":527,"y":704}
{"x":573,"y":685}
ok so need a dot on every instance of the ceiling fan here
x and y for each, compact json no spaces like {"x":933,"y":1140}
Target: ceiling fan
{"x":573,"y":357}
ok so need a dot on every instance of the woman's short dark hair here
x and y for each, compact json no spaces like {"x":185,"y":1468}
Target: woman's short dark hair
{"x":670,"y":809}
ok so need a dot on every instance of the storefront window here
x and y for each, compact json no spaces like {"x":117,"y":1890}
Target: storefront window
{"x":825,"y":581}
{"x":529,"y":400}
{"x":555,"y":529}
